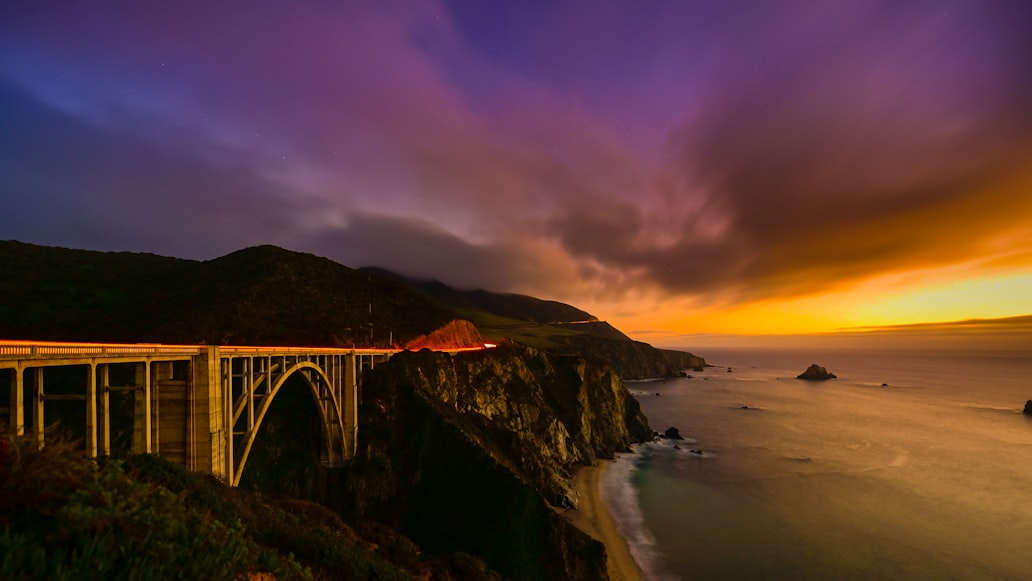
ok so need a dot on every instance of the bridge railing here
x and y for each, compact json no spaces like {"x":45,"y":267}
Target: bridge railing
{"x":241,"y":349}
{"x":17,"y":349}
{"x":42,"y":349}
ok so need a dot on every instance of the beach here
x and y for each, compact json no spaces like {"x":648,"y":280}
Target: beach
{"x":593,"y":517}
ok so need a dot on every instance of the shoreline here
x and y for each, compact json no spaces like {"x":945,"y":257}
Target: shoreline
{"x":593,"y":517}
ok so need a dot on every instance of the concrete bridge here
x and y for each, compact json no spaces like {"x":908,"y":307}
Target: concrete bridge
{"x":198,"y":405}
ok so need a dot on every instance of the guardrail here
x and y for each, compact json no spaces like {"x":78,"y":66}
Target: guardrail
{"x":11,"y":349}
{"x":36,"y":349}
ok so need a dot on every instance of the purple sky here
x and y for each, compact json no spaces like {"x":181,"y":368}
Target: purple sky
{"x":576,"y":150}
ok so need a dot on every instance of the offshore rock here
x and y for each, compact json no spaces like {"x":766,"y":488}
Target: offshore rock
{"x":471,"y":453}
{"x":816,"y":373}
{"x":672,"y":433}
{"x":1028,"y":408}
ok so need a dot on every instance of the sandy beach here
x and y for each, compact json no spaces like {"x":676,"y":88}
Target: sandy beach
{"x":593,"y":518}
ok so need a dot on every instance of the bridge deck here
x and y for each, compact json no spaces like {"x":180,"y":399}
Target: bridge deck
{"x":198,"y":405}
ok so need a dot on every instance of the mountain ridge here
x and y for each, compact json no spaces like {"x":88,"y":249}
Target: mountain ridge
{"x":266,"y":295}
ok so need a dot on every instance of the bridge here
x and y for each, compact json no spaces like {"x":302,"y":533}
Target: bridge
{"x":198,"y":405}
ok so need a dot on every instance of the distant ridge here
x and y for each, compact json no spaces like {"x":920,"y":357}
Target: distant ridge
{"x":552,"y":326}
{"x":515,"y":306}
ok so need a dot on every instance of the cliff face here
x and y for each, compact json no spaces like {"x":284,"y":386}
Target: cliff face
{"x":633,"y":359}
{"x":466,"y":453}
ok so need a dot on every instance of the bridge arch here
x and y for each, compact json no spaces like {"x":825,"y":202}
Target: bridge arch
{"x":331,"y":422}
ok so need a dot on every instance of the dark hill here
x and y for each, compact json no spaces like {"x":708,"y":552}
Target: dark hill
{"x":514,"y":306}
{"x":261,"y":295}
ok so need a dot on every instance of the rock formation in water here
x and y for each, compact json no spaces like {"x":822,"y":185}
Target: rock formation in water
{"x":673,"y":433}
{"x":816,"y":373}
{"x":1028,"y":408}
{"x":473,"y":453}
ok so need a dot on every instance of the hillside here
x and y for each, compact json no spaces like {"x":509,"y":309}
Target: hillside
{"x":64,"y":516}
{"x":553,"y":326}
{"x":257,"y":296}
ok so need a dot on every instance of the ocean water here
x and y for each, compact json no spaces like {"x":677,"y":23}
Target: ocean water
{"x":929,"y":477}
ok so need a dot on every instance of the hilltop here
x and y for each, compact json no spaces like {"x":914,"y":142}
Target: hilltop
{"x":256,"y":296}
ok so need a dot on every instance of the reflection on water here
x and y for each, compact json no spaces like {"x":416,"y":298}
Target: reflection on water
{"x":928,"y":477}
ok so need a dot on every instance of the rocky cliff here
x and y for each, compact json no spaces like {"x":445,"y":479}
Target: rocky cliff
{"x":631,"y":359}
{"x":473,"y":453}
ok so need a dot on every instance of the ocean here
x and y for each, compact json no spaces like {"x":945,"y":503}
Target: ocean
{"x":926,"y":477}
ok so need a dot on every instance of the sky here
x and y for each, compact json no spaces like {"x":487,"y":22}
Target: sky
{"x":682,"y":169}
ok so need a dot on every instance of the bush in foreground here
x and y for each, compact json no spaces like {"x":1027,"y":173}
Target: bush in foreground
{"x":64,"y":516}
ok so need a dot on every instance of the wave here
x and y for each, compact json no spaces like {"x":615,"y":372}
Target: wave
{"x":621,"y":499}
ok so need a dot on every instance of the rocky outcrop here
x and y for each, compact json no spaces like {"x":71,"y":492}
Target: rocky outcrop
{"x":471,"y":452}
{"x":816,"y":373}
{"x":456,"y":334}
{"x":1028,"y":408}
{"x":673,"y":433}
{"x":630,"y":359}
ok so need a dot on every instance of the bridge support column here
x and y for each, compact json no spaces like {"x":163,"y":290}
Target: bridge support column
{"x":142,"y":410}
{"x":105,"y":410}
{"x":17,"y":412}
{"x":171,"y":419}
{"x":37,"y":405}
{"x":208,"y":447}
{"x":349,"y":405}
{"x":91,"y":411}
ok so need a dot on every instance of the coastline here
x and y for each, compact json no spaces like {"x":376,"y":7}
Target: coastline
{"x":593,"y":517}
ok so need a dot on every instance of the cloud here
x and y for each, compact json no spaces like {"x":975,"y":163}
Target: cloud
{"x":420,"y":249}
{"x":830,"y":164}
{"x":693,"y":152}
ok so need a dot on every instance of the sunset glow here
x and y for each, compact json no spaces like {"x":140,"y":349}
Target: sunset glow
{"x":680,"y":170}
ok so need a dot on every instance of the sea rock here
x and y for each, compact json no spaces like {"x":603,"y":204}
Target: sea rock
{"x":1028,"y":408}
{"x":672,"y":433}
{"x":816,"y":373}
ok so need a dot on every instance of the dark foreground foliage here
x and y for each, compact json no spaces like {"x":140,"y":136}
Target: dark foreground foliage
{"x":63,"y":516}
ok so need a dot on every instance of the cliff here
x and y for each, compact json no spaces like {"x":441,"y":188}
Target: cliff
{"x":471,"y":453}
{"x":631,"y":359}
